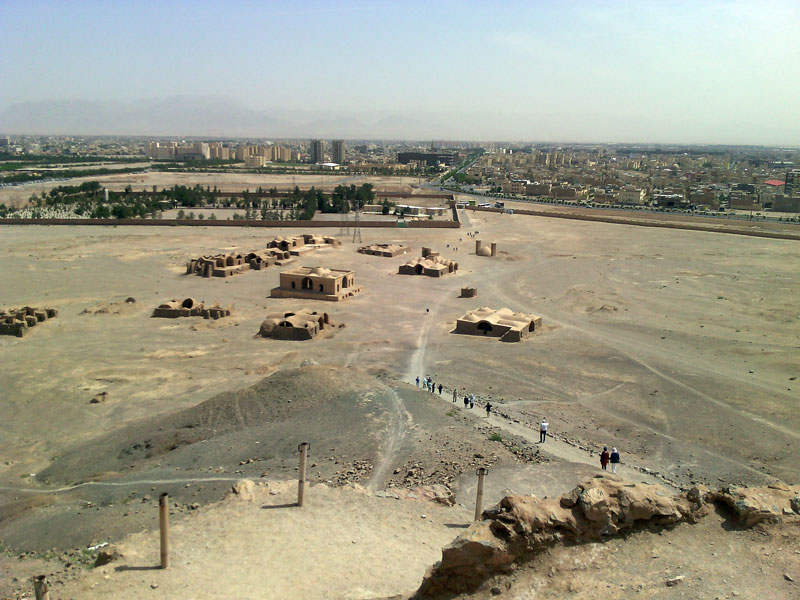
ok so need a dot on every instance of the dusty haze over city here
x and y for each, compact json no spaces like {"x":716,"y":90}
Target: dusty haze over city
{"x":399,"y":300}
{"x":679,"y":72}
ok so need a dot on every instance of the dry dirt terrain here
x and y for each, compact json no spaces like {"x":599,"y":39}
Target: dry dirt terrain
{"x":680,"y":348}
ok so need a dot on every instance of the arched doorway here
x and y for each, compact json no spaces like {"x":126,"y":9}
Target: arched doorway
{"x":485,"y":327}
{"x":307,"y":284}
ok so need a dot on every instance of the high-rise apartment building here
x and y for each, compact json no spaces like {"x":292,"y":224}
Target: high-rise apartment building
{"x":792,"y":186}
{"x":338,"y":151}
{"x":317,"y":151}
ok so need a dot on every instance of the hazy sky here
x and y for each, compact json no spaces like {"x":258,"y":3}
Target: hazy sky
{"x":715,"y":72}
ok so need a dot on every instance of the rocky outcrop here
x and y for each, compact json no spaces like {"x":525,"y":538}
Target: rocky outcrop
{"x":751,"y":506}
{"x":520,"y":526}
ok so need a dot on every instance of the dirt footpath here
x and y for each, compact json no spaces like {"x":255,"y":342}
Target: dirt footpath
{"x":344,"y":543}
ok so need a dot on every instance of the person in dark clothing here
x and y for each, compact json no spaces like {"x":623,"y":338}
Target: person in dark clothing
{"x":466,"y":401}
{"x":604,"y":458}
{"x":440,"y":389}
{"x":615,"y":460}
{"x":488,"y":409}
{"x":417,"y":380}
{"x":455,"y":395}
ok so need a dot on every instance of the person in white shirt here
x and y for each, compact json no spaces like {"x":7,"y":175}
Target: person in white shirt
{"x":543,"y":431}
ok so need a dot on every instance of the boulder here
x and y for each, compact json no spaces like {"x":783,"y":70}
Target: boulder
{"x":751,"y":506}
{"x":245,"y":490}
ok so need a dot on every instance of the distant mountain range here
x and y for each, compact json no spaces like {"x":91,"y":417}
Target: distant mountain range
{"x":205,"y":116}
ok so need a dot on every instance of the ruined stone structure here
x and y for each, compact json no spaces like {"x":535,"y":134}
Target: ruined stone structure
{"x":503,"y":323}
{"x":387,"y":250}
{"x":218,"y":265}
{"x":468,"y":292}
{"x":225,"y":265}
{"x":189,"y":308}
{"x":279,"y":251}
{"x":430,"y":264}
{"x":482,"y":250}
{"x":316,"y":283}
{"x":301,"y":244}
{"x":17,"y":321}
{"x":298,"y":325}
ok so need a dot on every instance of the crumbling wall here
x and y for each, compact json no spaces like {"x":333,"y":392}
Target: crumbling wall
{"x":17,"y":321}
{"x":189,"y":308}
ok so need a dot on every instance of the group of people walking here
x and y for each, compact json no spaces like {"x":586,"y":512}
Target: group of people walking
{"x":606,"y":457}
{"x":428,"y":384}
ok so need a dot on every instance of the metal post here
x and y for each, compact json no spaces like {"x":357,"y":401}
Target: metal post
{"x":40,"y":588}
{"x":301,"y":482}
{"x":163,"y":518}
{"x":479,"y":499}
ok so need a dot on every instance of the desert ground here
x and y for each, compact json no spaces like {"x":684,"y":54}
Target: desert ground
{"x":680,"y":348}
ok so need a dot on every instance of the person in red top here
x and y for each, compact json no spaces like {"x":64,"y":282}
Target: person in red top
{"x":604,"y":458}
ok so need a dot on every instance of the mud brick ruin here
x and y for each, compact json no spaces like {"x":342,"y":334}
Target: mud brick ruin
{"x":302,"y":244}
{"x":225,"y":265}
{"x":387,"y":250}
{"x":189,"y":308}
{"x":468,"y":292}
{"x":430,"y":264}
{"x":279,"y":251}
{"x":316,"y":283}
{"x":298,"y":325}
{"x":503,"y":323}
{"x":482,"y":250}
{"x":17,"y":321}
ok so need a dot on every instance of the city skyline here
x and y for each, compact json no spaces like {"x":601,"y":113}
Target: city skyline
{"x":651,"y":72}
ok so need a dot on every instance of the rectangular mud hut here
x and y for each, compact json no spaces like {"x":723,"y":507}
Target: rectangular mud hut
{"x":502,"y":323}
{"x":317,"y":283}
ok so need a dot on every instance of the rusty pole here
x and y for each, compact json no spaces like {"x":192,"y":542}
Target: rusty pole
{"x":481,"y":472}
{"x":163,"y":518}
{"x":301,"y":482}
{"x":40,"y":588}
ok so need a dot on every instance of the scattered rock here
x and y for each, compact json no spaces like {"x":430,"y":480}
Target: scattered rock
{"x":101,"y":397}
{"x":794,"y":503}
{"x":244,"y":489}
{"x":674,"y":580}
{"x":788,"y":577}
{"x":107,"y":555}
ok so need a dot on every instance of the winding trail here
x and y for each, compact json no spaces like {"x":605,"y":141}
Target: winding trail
{"x":395,"y":437}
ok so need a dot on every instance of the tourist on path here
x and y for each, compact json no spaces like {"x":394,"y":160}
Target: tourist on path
{"x":417,"y":380}
{"x":455,"y":395}
{"x":604,"y":458}
{"x":440,"y":389}
{"x":543,"y":431}
{"x":488,"y":409}
{"x":466,"y":401}
{"x":472,"y":400}
{"x":614,"y":460}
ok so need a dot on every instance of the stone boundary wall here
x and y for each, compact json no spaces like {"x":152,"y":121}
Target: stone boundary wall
{"x":645,"y":223}
{"x":220,"y":223}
